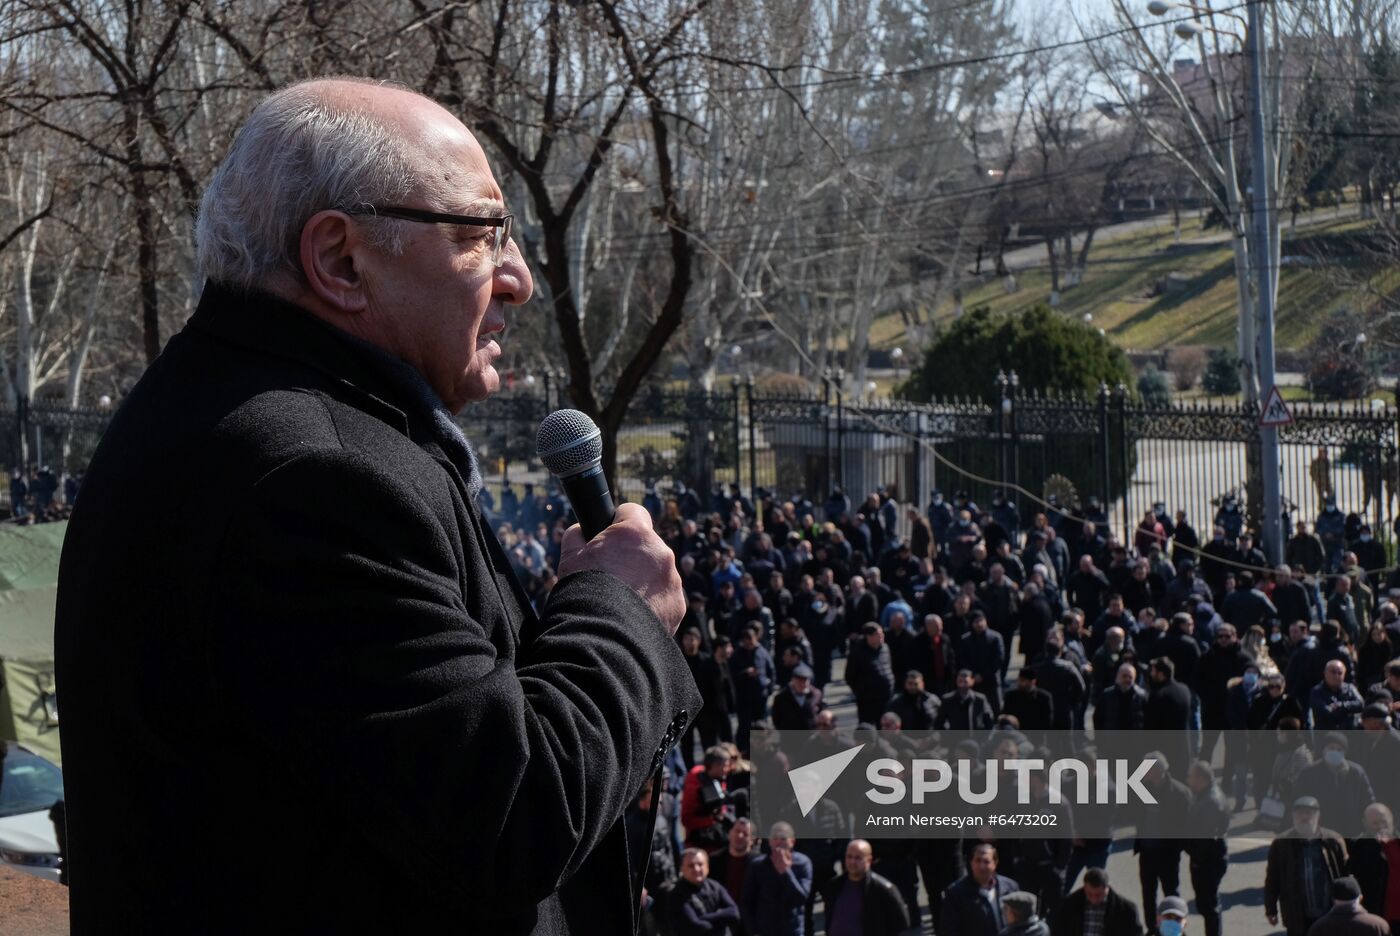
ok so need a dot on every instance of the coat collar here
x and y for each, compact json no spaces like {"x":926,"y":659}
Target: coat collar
{"x":395,"y":391}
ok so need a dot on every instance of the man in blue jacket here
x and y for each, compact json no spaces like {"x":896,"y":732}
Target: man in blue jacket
{"x":776,"y":889}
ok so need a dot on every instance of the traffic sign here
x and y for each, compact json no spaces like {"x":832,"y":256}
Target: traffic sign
{"x":1275,"y":411}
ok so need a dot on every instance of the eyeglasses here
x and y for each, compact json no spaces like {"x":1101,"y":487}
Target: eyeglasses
{"x":499,"y":233}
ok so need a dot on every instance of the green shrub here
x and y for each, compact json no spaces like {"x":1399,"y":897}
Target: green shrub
{"x":1222,"y":376}
{"x":1153,"y":387}
{"x":1049,"y":352}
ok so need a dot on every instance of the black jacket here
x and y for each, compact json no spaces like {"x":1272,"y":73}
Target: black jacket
{"x":973,"y":713}
{"x":1168,"y":711}
{"x":788,"y":714}
{"x":966,"y":913}
{"x":1034,"y":708}
{"x":1213,"y":675}
{"x":1120,"y":918}
{"x":1168,"y":707}
{"x":317,"y":634}
{"x":1120,"y":711}
{"x":704,"y":909}
{"x":883,"y":912}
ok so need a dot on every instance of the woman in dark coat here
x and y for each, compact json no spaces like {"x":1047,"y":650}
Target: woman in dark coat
{"x":1374,"y":653}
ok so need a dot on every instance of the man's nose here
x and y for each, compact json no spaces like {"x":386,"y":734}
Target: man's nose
{"x":512,"y":282}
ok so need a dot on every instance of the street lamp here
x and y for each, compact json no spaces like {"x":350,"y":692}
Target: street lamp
{"x":896,"y":355}
{"x":104,"y":401}
{"x":1163,"y":7}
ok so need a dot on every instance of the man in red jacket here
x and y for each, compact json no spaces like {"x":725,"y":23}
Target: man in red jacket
{"x":704,"y":799}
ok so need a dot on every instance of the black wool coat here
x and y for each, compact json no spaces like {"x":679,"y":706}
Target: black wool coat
{"x":303,"y":691}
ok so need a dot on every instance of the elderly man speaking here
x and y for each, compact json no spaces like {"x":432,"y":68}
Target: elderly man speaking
{"x":306,"y":694}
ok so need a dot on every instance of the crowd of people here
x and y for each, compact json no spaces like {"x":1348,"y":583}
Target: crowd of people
{"x":34,"y":495}
{"x":1018,"y":623}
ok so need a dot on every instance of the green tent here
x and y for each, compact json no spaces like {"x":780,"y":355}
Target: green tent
{"x":28,"y":591}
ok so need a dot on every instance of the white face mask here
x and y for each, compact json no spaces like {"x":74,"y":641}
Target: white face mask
{"x":1334,"y":757}
{"x":1306,"y":826}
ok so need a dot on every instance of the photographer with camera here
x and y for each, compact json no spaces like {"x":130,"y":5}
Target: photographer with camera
{"x":707,"y":806}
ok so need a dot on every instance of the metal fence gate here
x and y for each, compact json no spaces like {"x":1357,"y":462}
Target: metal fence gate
{"x":1130,"y":455}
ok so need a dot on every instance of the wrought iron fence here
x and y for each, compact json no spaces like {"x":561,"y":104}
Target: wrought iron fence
{"x":1130,"y":455}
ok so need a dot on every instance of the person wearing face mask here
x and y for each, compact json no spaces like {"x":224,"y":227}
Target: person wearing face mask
{"x":961,"y":537}
{"x":1331,"y":529}
{"x":1370,"y":554}
{"x":1230,"y":517}
{"x":1347,"y":917}
{"x":1171,"y":916}
{"x":1238,"y":699}
{"x":1375,"y":863}
{"x":1340,"y":785}
{"x":940,"y":515}
{"x":1302,"y":864}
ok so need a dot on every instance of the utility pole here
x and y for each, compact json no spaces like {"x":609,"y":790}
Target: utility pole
{"x":1256,"y":326}
{"x":1263,"y":254}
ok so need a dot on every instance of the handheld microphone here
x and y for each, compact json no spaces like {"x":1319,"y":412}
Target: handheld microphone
{"x":571,"y":447}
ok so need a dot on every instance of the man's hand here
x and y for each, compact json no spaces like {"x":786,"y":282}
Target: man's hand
{"x":631,"y":550}
{"x":1273,"y":918}
{"x":782,"y":859}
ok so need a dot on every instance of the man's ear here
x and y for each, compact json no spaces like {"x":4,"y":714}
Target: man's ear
{"x":330,"y":247}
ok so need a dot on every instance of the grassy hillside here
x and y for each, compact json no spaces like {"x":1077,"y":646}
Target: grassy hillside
{"x":1201,"y":310}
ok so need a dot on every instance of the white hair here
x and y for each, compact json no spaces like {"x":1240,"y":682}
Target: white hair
{"x":301,"y":151}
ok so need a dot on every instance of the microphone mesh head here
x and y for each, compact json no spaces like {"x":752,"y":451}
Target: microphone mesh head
{"x":568,"y":442}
